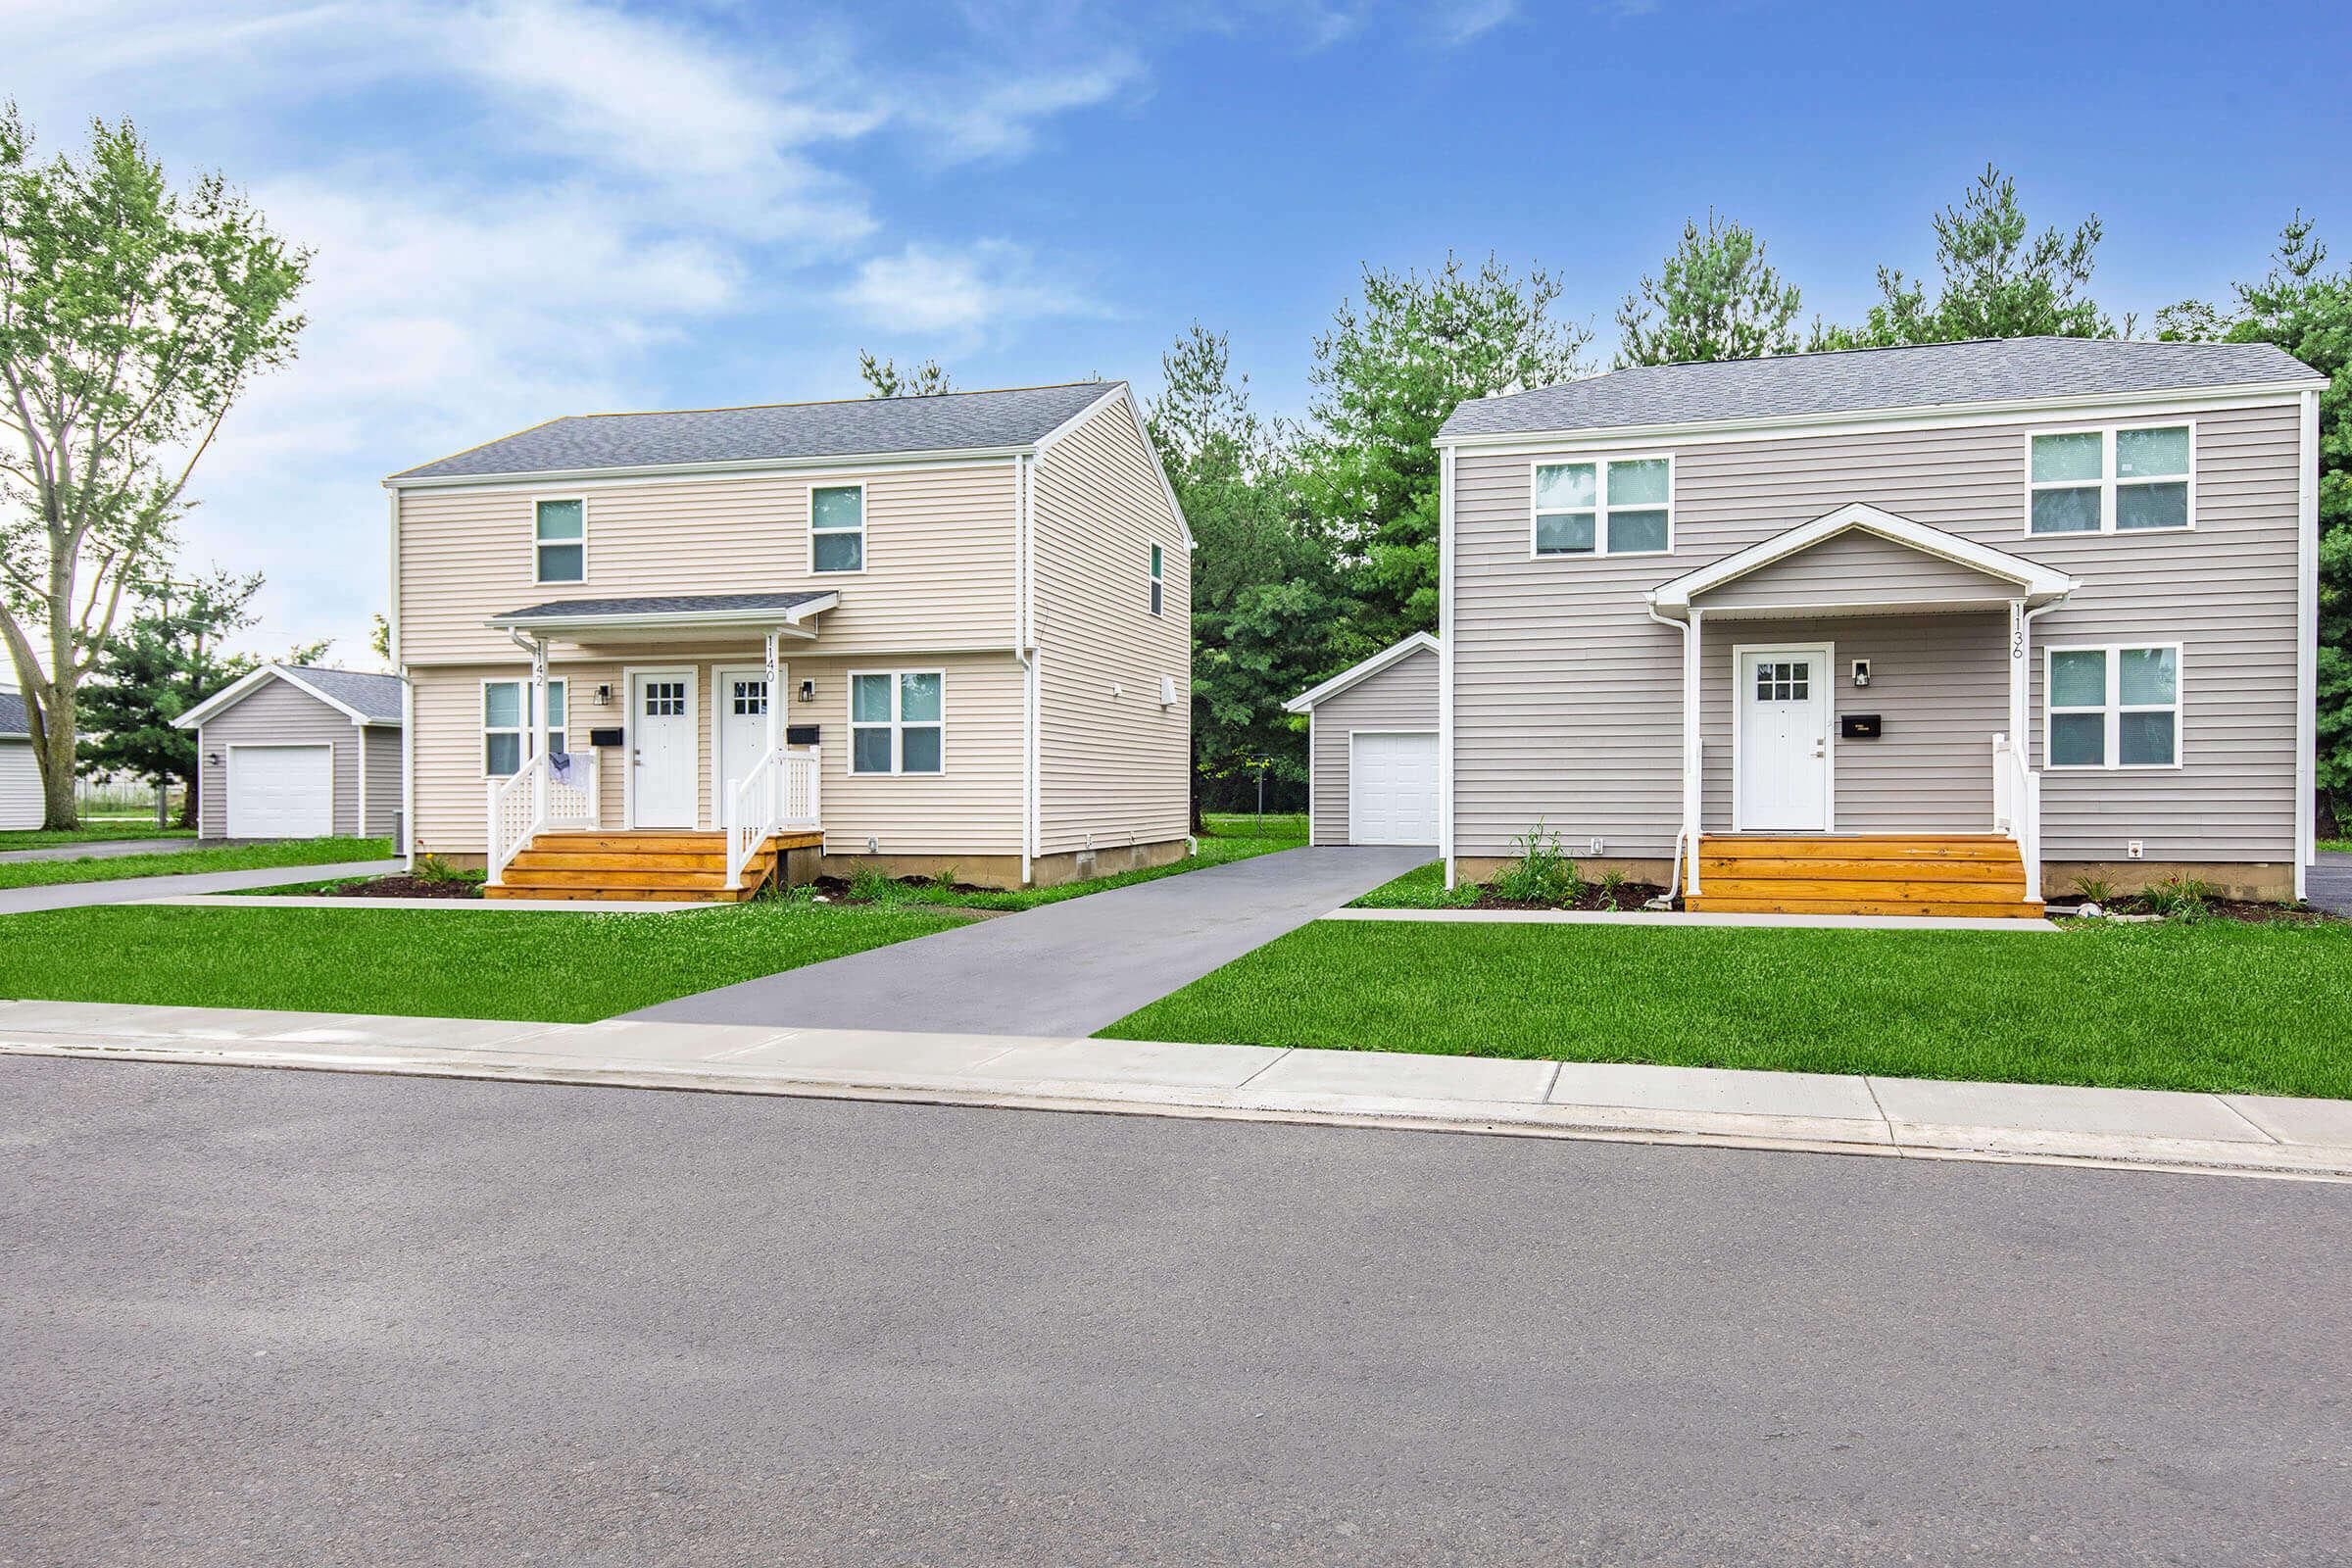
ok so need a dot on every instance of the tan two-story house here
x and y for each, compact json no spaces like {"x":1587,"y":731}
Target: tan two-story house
{"x":1910,"y":630}
{"x":665,"y":655}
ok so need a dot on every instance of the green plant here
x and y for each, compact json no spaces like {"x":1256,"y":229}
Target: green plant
{"x":2177,"y":897}
{"x":2094,"y":890}
{"x":870,"y":884}
{"x":1612,"y":884}
{"x":1539,"y":873}
{"x":945,"y":881}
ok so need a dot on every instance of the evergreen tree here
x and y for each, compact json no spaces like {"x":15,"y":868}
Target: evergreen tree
{"x":1715,"y":299}
{"x":887,"y":380}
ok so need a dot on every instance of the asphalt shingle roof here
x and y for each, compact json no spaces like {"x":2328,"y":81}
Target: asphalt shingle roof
{"x":664,"y":605}
{"x":15,"y":719}
{"x":377,"y":696}
{"x":1925,"y":376}
{"x":856,"y":427}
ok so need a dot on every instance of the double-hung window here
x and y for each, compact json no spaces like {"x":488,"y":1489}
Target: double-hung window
{"x":507,"y":725}
{"x":837,"y":527}
{"x":897,"y":722}
{"x":1160,"y":582}
{"x":2112,"y":707}
{"x":559,"y":541}
{"x":1605,"y":507}
{"x":2110,"y":482}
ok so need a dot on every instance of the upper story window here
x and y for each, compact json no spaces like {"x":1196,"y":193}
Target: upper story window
{"x":837,"y":527}
{"x":1160,"y":582}
{"x":506,"y":726}
{"x":2112,"y":708}
{"x":559,"y":541}
{"x":898,"y":723}
{"x":1605,"y":507}
{"x":2112,"y":480}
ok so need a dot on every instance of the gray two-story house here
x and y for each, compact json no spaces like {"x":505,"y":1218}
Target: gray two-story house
{"x":1925,"y":629}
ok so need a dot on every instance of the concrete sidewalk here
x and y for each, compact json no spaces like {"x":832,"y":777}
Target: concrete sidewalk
{"x":147,"y":889}
{"x":2234,"y":1134}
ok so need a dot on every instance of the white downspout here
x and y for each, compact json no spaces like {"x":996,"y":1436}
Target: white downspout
{"x":1686,"y":840}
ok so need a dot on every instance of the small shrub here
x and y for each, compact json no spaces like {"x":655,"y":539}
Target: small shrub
{"x":945,"y":881}
{"x":1540,"y":873}
{"x":870,"y":884}
{"x":2094,"y":890}
{"x":2177,"y":897}
{"x":1612,"y":884}
{"x":433,"y":868}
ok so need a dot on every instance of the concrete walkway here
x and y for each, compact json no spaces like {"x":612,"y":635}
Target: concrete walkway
{"x":137,"y":889}
{"x":1067,"y":968}
{"x":2329,"y":883}
{"x":99,"y":850}
{"x":2232,"y":1134}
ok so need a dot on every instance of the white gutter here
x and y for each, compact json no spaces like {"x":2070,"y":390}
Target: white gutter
{"x":732,"y":465}
{"x":1686,"y":839}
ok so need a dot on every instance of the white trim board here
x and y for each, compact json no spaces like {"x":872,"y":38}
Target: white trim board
{"x":1395,"y":653}
{"x":244,"y":686}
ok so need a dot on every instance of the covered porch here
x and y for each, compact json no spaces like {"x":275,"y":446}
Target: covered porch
{"x":714,"y":790}
{"x":1855,"y":697}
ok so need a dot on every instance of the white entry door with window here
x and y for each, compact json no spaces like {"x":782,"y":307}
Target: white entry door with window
{"x":742,"y":724}
{"x":1392,"y":787}
{"x":1782,"y":745}
{"x":661,"y":749}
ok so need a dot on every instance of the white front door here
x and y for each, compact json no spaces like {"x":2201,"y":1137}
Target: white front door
{"x":1392,"y":788}
{"x":742,"y":697}
{"x":1783,"y":742}
{"x":661,"y":749}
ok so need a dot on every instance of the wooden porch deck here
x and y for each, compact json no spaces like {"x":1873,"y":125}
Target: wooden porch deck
{"x":670,"y":865}
{"x":1876,"y":873}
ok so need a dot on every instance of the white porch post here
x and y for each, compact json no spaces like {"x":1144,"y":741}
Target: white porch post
{"x":776,"y":696}
{"x":537,"y":725}
{"x":1691,"y":795}
{"x":2019,"y":669}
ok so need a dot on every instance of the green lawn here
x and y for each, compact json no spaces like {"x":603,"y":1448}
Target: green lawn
{"x":2213,"y":1005}
{"x":38,"y":838}
{"x":1215,"y":850}
{"x":1245,"y":825}
{"x":2335,"y":846}
{"x":564,"y":968}
{"x":173,"y":862}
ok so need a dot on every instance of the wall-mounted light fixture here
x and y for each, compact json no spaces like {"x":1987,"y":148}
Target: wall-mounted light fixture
{"x":807,"y":691}
{"x":604,"y":694}
{"x":1861,"y":672}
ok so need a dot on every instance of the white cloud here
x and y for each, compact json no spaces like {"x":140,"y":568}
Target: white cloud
{"x":926,"y":289}
{"x":1459,"y":24}
{"x":998,"y":118}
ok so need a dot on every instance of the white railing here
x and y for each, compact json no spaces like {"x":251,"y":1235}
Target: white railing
{"x":2016,"y":809}
{"x":529,"y":801}
{"x":777,"y":794}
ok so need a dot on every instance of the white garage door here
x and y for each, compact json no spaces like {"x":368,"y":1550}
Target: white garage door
{"x":282,"y":791}
{"x":1392,"y":788}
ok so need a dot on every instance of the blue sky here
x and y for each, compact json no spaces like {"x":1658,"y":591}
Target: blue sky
{"x":526,"y":208}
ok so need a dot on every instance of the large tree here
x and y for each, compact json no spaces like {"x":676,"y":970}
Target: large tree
{"x":2308,"y":312}
{"x":1997,"y":279}
{"x":1265,"y":591}
{"x":1388,"y":375}
{"x":132,"y":319}
{"x":1714,"y":299}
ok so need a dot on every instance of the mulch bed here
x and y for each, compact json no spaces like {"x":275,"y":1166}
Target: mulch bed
{"x":1630,"y":896}
{"x":405,"y":887}
{"x":2242,"y":912}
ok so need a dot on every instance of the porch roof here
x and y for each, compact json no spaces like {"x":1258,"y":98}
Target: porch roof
{"x":673,"y":613}
{"x":1909,"y":567}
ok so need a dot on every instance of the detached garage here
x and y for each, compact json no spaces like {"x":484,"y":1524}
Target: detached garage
{"x":293,"y":752}
{"x":1372,"y":749}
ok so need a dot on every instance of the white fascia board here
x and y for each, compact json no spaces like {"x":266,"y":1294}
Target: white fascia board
{"x":1125,"y":393}
{"x":1305,"y":700}
{"x":683,"y":619}
{"x":236,"y":692}
{"x":1921,"y":416}
{"x":949,"y":458}
{"x":2036,"y":579}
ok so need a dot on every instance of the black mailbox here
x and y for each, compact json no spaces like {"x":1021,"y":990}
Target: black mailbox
{"x":605,"y":737}
{"x":1857,"y":726}
{"x":799,"y":735}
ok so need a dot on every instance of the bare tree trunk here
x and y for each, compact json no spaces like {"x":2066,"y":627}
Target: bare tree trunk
{"x":52,"y":747}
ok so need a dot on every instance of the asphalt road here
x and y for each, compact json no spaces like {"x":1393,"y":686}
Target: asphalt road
{"x":260,"y":1317}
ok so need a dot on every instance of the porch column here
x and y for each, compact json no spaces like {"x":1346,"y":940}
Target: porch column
{"x":1692,"y":664}
{"x":542,"y":793}
{"x":2020,"y":669}
{"x":775,"y":696}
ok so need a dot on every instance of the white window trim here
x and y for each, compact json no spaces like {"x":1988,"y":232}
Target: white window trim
{"x":2115,"y":708}
{"x":895,"y":725}
{"x":527,"y":729}
{"x":1600,"y":503}
{"x":2108,"y":483}
{"x":865,"y":519}
{"x":559,"y":582}
{"x":1157,"y":594}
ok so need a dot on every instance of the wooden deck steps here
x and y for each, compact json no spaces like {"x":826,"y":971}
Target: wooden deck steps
{"x":667,"y":866}
{"x":1891,"y":873}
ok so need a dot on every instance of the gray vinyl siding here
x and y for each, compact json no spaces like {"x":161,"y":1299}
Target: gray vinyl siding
{"x":278,"y":714}
{"x":1567,"y":697}
{"x":383,"y":777}
{"x":1401,"y":697}
{"x":1857,"y":568}
{"x":20,"y":785}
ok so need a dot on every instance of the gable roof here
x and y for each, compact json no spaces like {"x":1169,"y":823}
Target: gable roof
{"x":362,"y":697}
{"x":2030,"y":578}
{"x":1930,"y":376}
{"x":853,"y":427}
{"x":1393,"y":654}
{"x":16,"y":719}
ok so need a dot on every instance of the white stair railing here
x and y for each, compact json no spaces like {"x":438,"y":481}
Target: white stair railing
{"x":777,"y":794}
{"x":516,"y":812}
{"x":2016,"y":809}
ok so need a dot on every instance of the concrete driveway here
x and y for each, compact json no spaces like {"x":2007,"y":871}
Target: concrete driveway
{"x":1067,"y":968}
{"x":139,"y":889}
{"x":99,"y":848}
{"x":2330,"y":883}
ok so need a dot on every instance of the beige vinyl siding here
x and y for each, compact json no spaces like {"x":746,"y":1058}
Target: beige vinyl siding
{"x":1567,"y":698}
{"x":1401,"y":697}
{"x":277,"y":714}
{"x":1940,"y":688}
{"x":972,"y":808}
{"x":938,"y":555}
{"x":20,"y":785}
{"x":1856,"y":568}
{"x":1114,"y":765}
